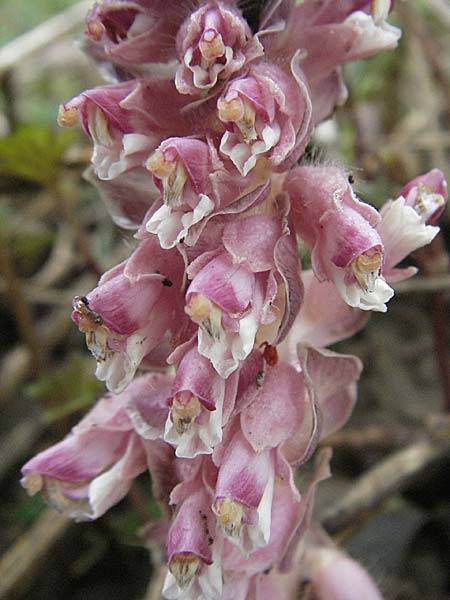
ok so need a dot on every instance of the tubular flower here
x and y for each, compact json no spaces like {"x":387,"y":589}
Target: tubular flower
{"x":266,"y":115}
{"x":213,"y":43}
{"x":342,"y":232}
{"x":94,"y":467}
{"x":195,"y":185}
{"x":117,"y":315}
{"x":200,"y":405}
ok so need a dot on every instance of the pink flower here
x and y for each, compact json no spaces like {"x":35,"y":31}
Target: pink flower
{"x":200,"y":404}
{"x":244,"y":492}
{"x":427,"y":194}
{"x":122,"y":318}
{"x":127,"y":121}
{"x":255,"y":284}
{"x":94,"y":466}
{"x":213,"y":43}
{"x":342,"y":232}
{"x":193,"y":547}
{"x":267,"y":115}
{"x":132,"y":34}
{"x":404,"y":224}
{"x":327,"y":36}
{"x":195,"y":185}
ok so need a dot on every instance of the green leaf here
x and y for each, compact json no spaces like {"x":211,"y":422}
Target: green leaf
{"x":34,"y":153}
{"x":67,"y":388}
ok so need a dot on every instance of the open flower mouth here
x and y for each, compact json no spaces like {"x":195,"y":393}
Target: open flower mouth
{"x":184,"y":567}
{"x":366,"y":268}
{"x":207,"y":314}
{"x":172,"y":174}
{"x":185,"y":409}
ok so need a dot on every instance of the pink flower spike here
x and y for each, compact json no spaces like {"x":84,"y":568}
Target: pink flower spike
{"x":213,"y":43}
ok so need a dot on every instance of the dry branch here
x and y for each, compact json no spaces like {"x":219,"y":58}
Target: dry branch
{"x":388,"y":477}
{"x":20,"y":563}
{"x":42,"y":36}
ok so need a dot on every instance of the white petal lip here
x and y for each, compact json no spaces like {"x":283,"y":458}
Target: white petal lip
{"x":244,"y":156}
{"x":201,"y":439}
{"x":173,"y":225}
{"x":402,"y":231}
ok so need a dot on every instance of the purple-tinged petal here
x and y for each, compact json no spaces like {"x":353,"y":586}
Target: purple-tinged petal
{"x":285,"y":513}
{"x":331,"y":378}
{"x":324,"y":318}
{"x":134,"y":34}
{"x":251,"y":241}
{"x":93,"y":467}
{"x":288,"y":265}
{"x":427,"y":194}
{"x":127,"y":197}
{"x":213,"y":43}
{"x":277,"y":411}
{"x":229,"y":286}
{"x":342,"y":232}
{"x":321,"y":471}
{"x":264,"y":116}
{"x":147,"y":406}
{"x":402,"y":231}
{"x":121,"y":317}
{"x":244,"y":491}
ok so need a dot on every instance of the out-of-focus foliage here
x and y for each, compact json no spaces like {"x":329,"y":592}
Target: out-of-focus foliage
{"x":20,"y":16}
{"x":66,"y":388}
{"x":33,"y":152}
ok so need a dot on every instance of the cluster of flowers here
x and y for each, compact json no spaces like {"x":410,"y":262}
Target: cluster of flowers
{"x":196,"y":145}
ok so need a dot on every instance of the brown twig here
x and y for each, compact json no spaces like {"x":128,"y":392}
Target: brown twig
{"x":378,"y":436}
{"x":43,"y":36}
{"x":435,"y":260}
{"x":418,"y":284}
{"x":64,"y":193}
{"x":20,"y":308}
{"x":388,"y":477}
{"x":156,"y":583}
{"x":20,"y":563}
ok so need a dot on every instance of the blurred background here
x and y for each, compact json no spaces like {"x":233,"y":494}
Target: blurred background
{"x":388,"y":502}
